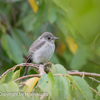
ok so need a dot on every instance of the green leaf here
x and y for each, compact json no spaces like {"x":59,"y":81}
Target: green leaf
{"x":97,"y":96}
{"x":64,"y":20}
{"x":2,"y":79}
{"x":9,"y":91}
{"x":62,"y":89}
{"x":57,"y":88}
{"x":11,"y":48}
{"x":58,"y":69}
{"x":52,"y":12}
{"x":8,"y":77}
{"x":13,"y":87}
{"x":36,"y":97}
{"x":23,"y":37}
{"x":19,"y":42}
{"x":63,"y":4}
{"x":43,"y":83}
{"x":76,"y":94}
{"x":28,"y":22}
{"x":80,"y":58}
{"x":16,"y":75}
{"x":62,"y":27}
{"x":51,"y":78}
{"x":82,"y":87}
{"x":4,"y":88}
{"x":51,"y":83}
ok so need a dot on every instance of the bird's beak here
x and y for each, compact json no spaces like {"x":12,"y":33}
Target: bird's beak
{"x":56,"y":38}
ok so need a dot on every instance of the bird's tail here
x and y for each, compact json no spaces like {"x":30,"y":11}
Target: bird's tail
{"x":26,"y":70}
{"x":28,"y":60}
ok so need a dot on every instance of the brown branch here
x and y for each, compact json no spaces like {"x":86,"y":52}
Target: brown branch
{"x":38,"y":75}
{"x":93,"y":79}
{"x":83,"y":73}
{"x":23,"y":64}
{"x":60,"y":75}
{"x":19,"y":65}
{"x":35,"y":75}
{"x":37,"y":66}
{"x":41,"y":69}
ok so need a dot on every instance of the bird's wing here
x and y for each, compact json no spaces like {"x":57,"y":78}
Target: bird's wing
{"x":36,"y":45}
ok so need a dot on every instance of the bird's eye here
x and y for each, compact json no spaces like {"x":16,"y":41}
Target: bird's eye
{"x":48,"y":38}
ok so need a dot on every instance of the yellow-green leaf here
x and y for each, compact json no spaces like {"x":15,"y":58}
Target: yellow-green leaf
{"x":72,"y":44}
{"x":61,"y":48}
{"x":30,"y":83}
{"x":16,"y":75}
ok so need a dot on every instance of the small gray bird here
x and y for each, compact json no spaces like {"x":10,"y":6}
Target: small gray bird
{"x":41,"y":50}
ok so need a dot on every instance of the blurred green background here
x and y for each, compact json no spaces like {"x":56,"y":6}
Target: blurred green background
{"x":76,"y":23}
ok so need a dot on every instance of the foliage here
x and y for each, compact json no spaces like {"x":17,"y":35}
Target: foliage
{"x":57,"y":84}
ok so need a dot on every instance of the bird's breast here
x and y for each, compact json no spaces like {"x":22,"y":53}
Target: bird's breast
{"x":44,"y":53}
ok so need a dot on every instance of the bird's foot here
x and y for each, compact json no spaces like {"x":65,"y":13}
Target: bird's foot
{"x":48,"y":64}
{"x":47,"y":67}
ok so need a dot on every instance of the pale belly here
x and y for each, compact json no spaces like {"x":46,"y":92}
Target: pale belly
{"x":44,"y":53}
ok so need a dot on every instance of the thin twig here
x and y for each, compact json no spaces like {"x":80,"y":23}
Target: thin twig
{"x":93,"y":79}
{"x":60,"y":75}
{"x":94,"y":91}
{"x":35,"y":75}
{"x":85,"y":73}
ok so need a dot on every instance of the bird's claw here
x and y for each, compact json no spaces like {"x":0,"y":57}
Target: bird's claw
{"x":47,"y":67}
{"x":48,"y":64}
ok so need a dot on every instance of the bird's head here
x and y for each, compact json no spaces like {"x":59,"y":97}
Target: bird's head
{"x":47,"y":36}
